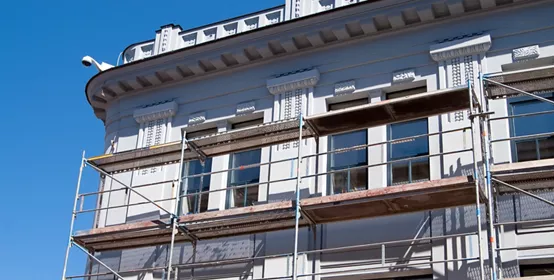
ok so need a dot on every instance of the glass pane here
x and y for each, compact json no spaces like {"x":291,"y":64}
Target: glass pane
{"x":526,"y":150}
{"x":546,"y":147}
{"x":240,"y":200}
{"x":420,"y":170}
{"x":351,"y":158}
{"x":198,"y":203}
{"x":195,"y":168}
{"x":343,"y":182}
{"x":532,"y":124}
{"x":340,"y":181}
{"x":410,"y":147}
{"x":246,"y":176}
{"x":400,"y":173}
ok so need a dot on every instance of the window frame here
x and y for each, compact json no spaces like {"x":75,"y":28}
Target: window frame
{"x":409,"y":161}
{"x":230,"y":183}
{"x":187,"y":169}
{"x":248,"y":123}
{"x":417,"y":88}
{"x":511,"y":102}
{"x":330,"y":147}
{"x":350,"y":103}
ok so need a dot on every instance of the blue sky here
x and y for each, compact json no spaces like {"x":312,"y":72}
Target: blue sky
{"x":46,"y":121}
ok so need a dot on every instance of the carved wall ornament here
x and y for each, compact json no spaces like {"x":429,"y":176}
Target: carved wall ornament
{"x":290,"y":82}
{"x":461,"y":47}
{"x":156,"y":112}
{"x":197,"y":118}
{"x":246,"y":108}
{"x":403,"y":76}
{"x":345,"y":87}
{"x":525,"y":53}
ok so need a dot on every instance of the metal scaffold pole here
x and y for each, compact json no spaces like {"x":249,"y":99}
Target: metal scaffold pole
{"x":477,"y":183}
{"x":488,"y":181}
{"x":73,"y":216}
{"x":177,"y":196}
{"x":297,"y":204}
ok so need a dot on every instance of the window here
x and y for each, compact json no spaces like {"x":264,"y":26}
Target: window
{"x":533,"y":147}
{"x":413,"y":170}
{"x":348,"y":104}
{"x":247,"y":196}
{"x":198,"y":203}
{"x":536,"y":270}
{"x":407,"y":92}
{"x":248,"y":123}
{"x":347,"y":180}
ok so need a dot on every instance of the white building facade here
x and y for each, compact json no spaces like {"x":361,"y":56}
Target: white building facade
{"x":310,"y":57}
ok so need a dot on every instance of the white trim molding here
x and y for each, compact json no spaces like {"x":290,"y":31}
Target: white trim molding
{"x":525,"y":53}
{"x":402,"y":76}
{"x":345,"y":87}
{"x":460,"y":47}
{"x":294,"y":81}
{"x":197,"y":118}
{"x":155,"y":112}
{"x":246,"y":108}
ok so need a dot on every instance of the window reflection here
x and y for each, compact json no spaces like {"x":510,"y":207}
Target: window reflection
{"x":532,"y":148}
{"x":198,"y":203}
{"x":247,"y":196}
{"x":348,"y":180}
{"x":413,"y":170}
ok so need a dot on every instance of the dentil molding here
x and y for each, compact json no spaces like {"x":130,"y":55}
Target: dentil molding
{"x":460,"y":47}
{"x":155,"y":112}
{"x":293,"y":81}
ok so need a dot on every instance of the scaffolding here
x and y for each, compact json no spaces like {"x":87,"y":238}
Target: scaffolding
{"x":482,"y":188}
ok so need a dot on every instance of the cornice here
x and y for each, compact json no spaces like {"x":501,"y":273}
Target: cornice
{"x":155,"y":112}
{"x":258,"y":46}
{"x":461,"y":47}
{"x":294,"y":81}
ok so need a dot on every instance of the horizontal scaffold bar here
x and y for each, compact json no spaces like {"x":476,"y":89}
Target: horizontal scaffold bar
{"x":400,"y":199}
{"x":364,"y":116}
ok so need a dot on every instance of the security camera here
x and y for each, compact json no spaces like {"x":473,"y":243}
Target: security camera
{"x":87,"y":61}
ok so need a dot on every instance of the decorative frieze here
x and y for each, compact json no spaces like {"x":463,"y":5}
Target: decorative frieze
{"x":156,"y":112}
{"x":290,"y":82}
{"x":197,"y":118}
{"x":345,"y":87}
{"x":461,"y":47}
{"x":525,"y":53}
{"x":246,"y":108}
{"x":403,"y":76}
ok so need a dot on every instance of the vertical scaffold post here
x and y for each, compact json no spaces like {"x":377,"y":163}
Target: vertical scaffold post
{"x":297,"y":204}
{"x":177,"y":196}
{"x":477,"y":182}
{"x":73,"y":216}
{"x":488,"y":182}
